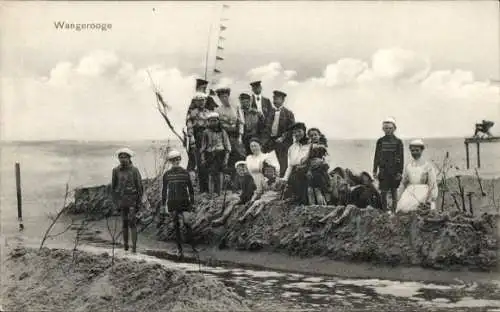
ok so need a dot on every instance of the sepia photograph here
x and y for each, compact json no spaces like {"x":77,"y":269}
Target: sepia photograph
{"x":250,"y":156}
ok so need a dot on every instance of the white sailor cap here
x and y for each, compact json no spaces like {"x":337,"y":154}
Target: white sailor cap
{"x":173,"y":154}
{"x":390,"y":120}
{"x":212,"y":115}
{"x":241,"y":162}
{"x":125,"y":150}
{"x":417,"y":142}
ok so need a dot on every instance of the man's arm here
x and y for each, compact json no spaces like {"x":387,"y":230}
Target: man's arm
{"x":190,"y":188}
{"x":164,"y":189}
{"x":114,"y":183}
{"x":376,"y":157}
{"x":400,"y":157}
{"x":138,"y":182}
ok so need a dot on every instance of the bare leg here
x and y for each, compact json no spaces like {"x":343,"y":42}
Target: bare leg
{"x":310,"y":195}
{"x":133,"y":228}
{"x":394,"y":195}
{"x":211,"y":184}
{"x":320,"y":199}
{"x":383,"y":195}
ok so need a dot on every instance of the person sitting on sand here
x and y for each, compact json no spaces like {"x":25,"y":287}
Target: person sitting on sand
{"x":318,"y":180}
{"x":296,"y":173}
{"x":365,"y":194}
{"x":247,"y":186}
{"x":215,"y":150}
{"x":127,"y":191}
{"x":419,"y":181}
{"x":255,"y":164}
{"x":178,"y":197}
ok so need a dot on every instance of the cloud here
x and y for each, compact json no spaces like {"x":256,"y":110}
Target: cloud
{"x":102,"y":96}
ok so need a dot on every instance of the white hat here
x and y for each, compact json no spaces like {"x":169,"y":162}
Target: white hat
{"x":173,"y":154}
{"x":199,"y":96}
{"x":125,"y":150}
{"x":417,"y":142}
{"x":241,"y":162}
{"x":391,"y":120}
{"x":212,"y":115}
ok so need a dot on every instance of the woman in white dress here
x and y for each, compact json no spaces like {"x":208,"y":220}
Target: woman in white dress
{"x":419,"y":184}
{"x":255,"y":165}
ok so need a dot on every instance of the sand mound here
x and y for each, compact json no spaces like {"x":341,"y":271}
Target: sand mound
{"x":49,"y":280}
{"x":440,"y":240}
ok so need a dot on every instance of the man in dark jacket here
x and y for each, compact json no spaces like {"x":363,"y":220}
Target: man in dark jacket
{"x":277,"y":137}
{"x":127,"y":191}
{"x":178,"y":197}
{"x":260,"y":103}
{"x":388,"y":163}
{"x":253,"y":121}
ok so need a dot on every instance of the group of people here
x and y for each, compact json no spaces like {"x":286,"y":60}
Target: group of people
{"x":256,"y":146}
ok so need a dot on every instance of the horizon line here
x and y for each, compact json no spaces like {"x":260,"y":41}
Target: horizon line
{"x":176,"y":139}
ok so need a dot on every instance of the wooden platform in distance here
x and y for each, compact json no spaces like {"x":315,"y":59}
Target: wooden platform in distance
{"x":482,"y":140}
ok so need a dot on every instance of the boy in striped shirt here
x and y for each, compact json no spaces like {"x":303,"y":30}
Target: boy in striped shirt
{"x":388,"y":163}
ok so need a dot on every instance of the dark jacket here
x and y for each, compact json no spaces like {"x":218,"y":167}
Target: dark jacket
{"x":126,"y":183}
{"x":389,"y":155}
{"x":267,"y":106}
{"x":254,"y":123}
{"x":364,"y":196}
{"x":177,"y":186}
{"x":287,"y":119}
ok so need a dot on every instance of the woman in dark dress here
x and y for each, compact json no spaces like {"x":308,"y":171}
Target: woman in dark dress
{"x":318,"y":179}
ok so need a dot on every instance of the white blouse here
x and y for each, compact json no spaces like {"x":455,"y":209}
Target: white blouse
{"x":296,"y":154}
{"x":255,"y":164}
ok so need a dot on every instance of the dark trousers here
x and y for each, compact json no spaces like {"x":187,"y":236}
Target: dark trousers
{"x":177,"y":208}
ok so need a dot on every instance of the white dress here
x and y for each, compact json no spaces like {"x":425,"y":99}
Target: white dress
{"x":419,"y":186}
{"x":255,"y":164}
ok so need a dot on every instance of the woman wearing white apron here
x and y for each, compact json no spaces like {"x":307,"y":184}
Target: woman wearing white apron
{"x":419,"y":184}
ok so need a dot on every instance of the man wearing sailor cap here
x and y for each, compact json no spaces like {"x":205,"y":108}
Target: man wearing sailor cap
{"x":260,"y":103}
{"x":127,"y":191}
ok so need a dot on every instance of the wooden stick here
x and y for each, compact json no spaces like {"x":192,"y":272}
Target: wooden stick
{"x":19,"y":197}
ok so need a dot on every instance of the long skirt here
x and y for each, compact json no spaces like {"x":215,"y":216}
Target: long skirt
{"x":412,"y":197}
{"x":297,"y":185}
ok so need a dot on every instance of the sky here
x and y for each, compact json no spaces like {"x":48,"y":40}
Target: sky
{"x":345,"y":65}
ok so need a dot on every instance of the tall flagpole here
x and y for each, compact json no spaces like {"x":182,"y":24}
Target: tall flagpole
{"x":209,"y":39}
{"x":219,"y":48}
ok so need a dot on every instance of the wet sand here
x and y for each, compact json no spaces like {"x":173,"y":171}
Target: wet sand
{"x":208,"y":255}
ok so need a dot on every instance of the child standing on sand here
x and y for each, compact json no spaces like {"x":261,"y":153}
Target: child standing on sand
{"x":388,"y":163}
{"x":127,"y":191}
{"x":215,"y":150}
{"x":178,"y":196}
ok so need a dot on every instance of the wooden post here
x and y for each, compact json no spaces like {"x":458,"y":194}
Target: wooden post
{"x":467,"y":154}
{"x":478,"y":154}
{"x":19,"y":197}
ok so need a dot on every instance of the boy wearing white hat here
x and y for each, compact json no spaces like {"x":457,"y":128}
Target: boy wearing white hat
{"x":177,"y":195}
{"x":388,"y":162}
{"x":214,"y":152}
{"x":127,"y":191}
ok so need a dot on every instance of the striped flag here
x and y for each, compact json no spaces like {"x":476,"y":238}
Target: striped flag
{"x":223,"y":27}
{"x":219,"y":58}
{"x":217,"y":71}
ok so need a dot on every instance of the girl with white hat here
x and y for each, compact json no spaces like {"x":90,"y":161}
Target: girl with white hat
{"x":127,"y":192}
{"x":419,"y":181}
{"x":178,"y":196}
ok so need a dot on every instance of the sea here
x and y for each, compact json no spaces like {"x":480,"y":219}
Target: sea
{"x":48,"y":166}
